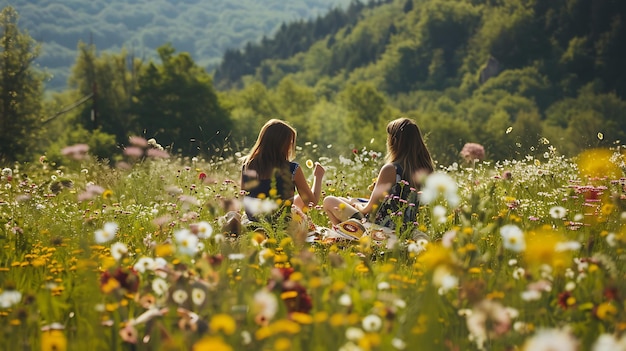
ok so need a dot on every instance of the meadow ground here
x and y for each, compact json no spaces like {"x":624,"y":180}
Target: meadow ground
{"x":523,"y":254}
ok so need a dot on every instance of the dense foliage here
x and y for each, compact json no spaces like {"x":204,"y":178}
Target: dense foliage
{"x":205,"y":28}
{"x":21,"y":89}
{"x":501,"y":73}
{"x":506,"y":74}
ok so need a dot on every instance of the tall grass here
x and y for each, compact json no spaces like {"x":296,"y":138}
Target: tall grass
{"x":102,"y":257}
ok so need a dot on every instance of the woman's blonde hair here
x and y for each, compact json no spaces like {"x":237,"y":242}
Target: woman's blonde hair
{"x":406,"y":147}
{"x":275,"y":146}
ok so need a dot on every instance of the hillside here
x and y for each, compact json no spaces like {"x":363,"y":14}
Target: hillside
{"x":203,"y":28}
{"x":514,"y":75}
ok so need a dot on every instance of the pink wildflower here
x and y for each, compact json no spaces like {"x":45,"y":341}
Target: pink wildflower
{"x":472,"y":152}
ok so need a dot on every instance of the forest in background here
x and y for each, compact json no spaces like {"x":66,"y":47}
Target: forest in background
{"x":204,"y":28}
{"x":517,"y":76}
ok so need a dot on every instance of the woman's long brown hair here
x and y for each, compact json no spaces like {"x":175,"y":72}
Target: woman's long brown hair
{"x":275,"y":146}
{"x":406,"y":146}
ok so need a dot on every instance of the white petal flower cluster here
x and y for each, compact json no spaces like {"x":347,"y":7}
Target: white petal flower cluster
{"x":513,"y":238}
{"x":440,"y":184}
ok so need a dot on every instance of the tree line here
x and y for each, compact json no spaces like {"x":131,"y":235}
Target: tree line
{"x":518,"y":76}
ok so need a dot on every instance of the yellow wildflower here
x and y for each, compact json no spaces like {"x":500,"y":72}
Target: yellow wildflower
{"x":302,"y":318}
{"x":541,"y":249}
{"x":164,"y":250}
{"x":606,"y":311}
{"x":53,"y":340}
{"x":320,"y":317}
{"x":435,"y":255}
{"x":223,"y":322}
{"x":597,"y":163}
{"x":285,"y":326}
{"x":282,"y":344}
{"x":107,"y":194}
{"x":211,"y":343}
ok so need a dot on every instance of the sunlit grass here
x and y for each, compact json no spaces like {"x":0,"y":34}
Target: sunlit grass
{"x":101,"y":257}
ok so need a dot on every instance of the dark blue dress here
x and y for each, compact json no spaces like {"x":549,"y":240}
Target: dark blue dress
{"x":282,"y":181}
{"x":401,"y":201}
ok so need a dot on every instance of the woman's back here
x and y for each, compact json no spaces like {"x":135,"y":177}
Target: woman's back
{"x":280,"y":187}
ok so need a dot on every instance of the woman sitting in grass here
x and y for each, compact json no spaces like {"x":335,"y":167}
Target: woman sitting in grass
{"x":407,"y":162}
{"x":270,"y":178}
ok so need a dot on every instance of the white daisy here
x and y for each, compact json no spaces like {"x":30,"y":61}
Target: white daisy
{"x":186,"y":242}
{"x":145,"y":264}
{"x":354,"y":334}
{"x":558,"y":212}
{"x":345,"y":300}
{"x":119,"y":250}
{"x":513,"y":238}
{"x":107,"y":233}
{"x":9,"y":298}
{"x":567,"y":246}
{"x":440,"y":184}
{"x":180,"y":296}
{"x":198,"y":296}
{"x":265,"y":304}
{"x":257,"y":206}
{"x":551,"y":339}
{"x":609,"y":342}
{"x":204,"y":230}
{"x":372,"y":323}
{"x":160,"y":286}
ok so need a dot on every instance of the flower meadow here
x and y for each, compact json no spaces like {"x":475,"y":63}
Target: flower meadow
{"x":523,"y":254}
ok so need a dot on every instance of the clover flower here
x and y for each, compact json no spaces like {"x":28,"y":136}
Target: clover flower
{"x":77,"y":151}
{"x":473,"y":152}
{"x":445,"y":280}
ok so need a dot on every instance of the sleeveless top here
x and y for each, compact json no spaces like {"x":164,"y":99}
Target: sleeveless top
{"x":401,"y":201}
{"x":282,"y":182}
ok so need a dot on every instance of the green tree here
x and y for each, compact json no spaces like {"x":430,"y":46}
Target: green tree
{"x":366,"y":107}
{"x":250,"y":108}
{"x":110,"y":80}
{"x":177,"y":104}
{"x":21,"y":89}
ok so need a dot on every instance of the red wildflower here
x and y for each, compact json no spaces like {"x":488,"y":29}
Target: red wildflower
{"x":562,"y":300}
{"x":127,"y":278}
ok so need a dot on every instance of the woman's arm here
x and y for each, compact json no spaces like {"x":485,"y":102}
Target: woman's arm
{"x":384,"y":183}
{"x":310,"y":196}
